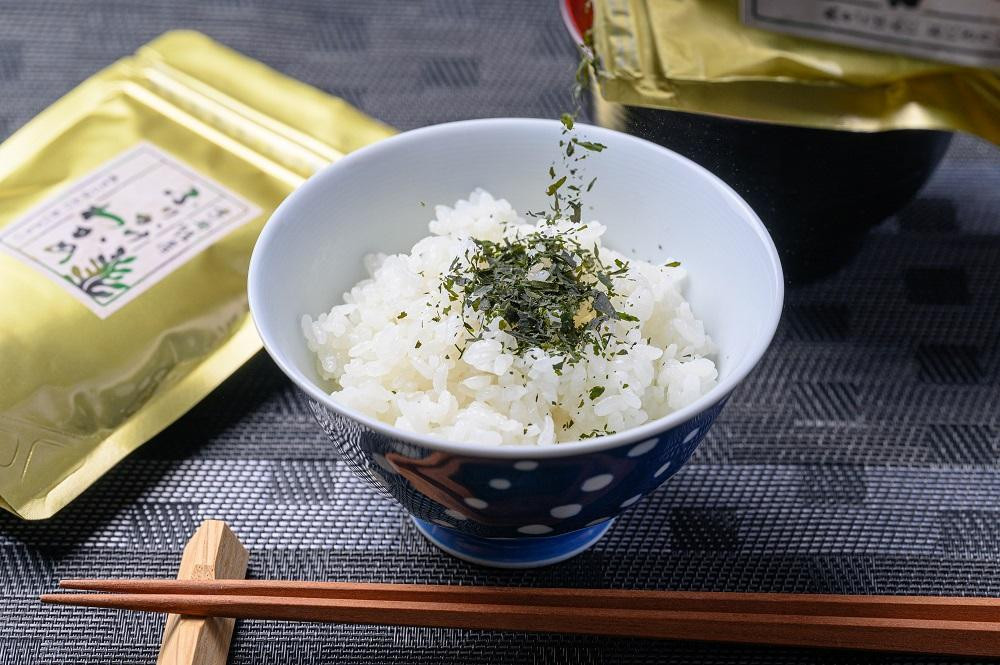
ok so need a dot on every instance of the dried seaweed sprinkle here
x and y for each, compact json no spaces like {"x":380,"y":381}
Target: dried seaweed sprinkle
{"x":544,"y":289}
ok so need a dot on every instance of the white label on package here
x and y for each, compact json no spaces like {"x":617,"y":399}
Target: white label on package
{"x":964,"y":32}
{"x":114,"y":233}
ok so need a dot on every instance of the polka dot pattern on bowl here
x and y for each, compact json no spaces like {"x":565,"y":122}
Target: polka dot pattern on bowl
{"x":597,"y":482}
{"x":569,"y":510}
{"x":534,"y":529}
{"x":514,"y":497}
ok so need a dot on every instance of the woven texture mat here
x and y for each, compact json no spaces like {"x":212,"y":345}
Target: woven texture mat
{"x":861,"y":456}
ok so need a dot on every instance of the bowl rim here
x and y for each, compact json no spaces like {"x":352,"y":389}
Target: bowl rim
{"x":651,"y":429}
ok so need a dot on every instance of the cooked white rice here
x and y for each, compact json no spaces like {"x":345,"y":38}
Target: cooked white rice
{"x":407,"y":371}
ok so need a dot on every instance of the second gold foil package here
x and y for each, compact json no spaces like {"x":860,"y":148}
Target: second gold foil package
{"x":699,"y":56}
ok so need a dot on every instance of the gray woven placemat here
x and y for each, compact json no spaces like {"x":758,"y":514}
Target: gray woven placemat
{"x":860,"y":457}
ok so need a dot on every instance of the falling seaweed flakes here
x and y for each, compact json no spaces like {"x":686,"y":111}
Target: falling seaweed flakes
{"x":544,"y":289}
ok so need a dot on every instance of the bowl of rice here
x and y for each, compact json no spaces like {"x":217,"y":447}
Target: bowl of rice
{"x":515,"y":328}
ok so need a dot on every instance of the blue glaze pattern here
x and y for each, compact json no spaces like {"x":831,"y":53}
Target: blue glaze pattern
{"x":512,"y":552}
{"x":461,"y":500}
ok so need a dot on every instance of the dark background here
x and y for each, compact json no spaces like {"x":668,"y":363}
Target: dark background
{"x":860,"y":457}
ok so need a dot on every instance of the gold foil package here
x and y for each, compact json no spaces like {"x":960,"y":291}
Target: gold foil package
{"x":128,"y":212}
{"x":698,"y":56}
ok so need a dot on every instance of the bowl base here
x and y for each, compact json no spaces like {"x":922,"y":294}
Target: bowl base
{"x":529,"y":552}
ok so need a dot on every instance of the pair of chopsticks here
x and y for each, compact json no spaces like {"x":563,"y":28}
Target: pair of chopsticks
{"x":918,"y":624}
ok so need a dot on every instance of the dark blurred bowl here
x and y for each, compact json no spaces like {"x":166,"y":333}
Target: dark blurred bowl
{"x":817,"y":190}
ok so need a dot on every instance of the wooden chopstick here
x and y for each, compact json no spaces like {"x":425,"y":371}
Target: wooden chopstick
{"x":899,"y":607}
{"x":939,"y":636}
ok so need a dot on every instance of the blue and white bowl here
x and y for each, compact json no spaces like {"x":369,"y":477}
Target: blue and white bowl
{"x":515,"y":506}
